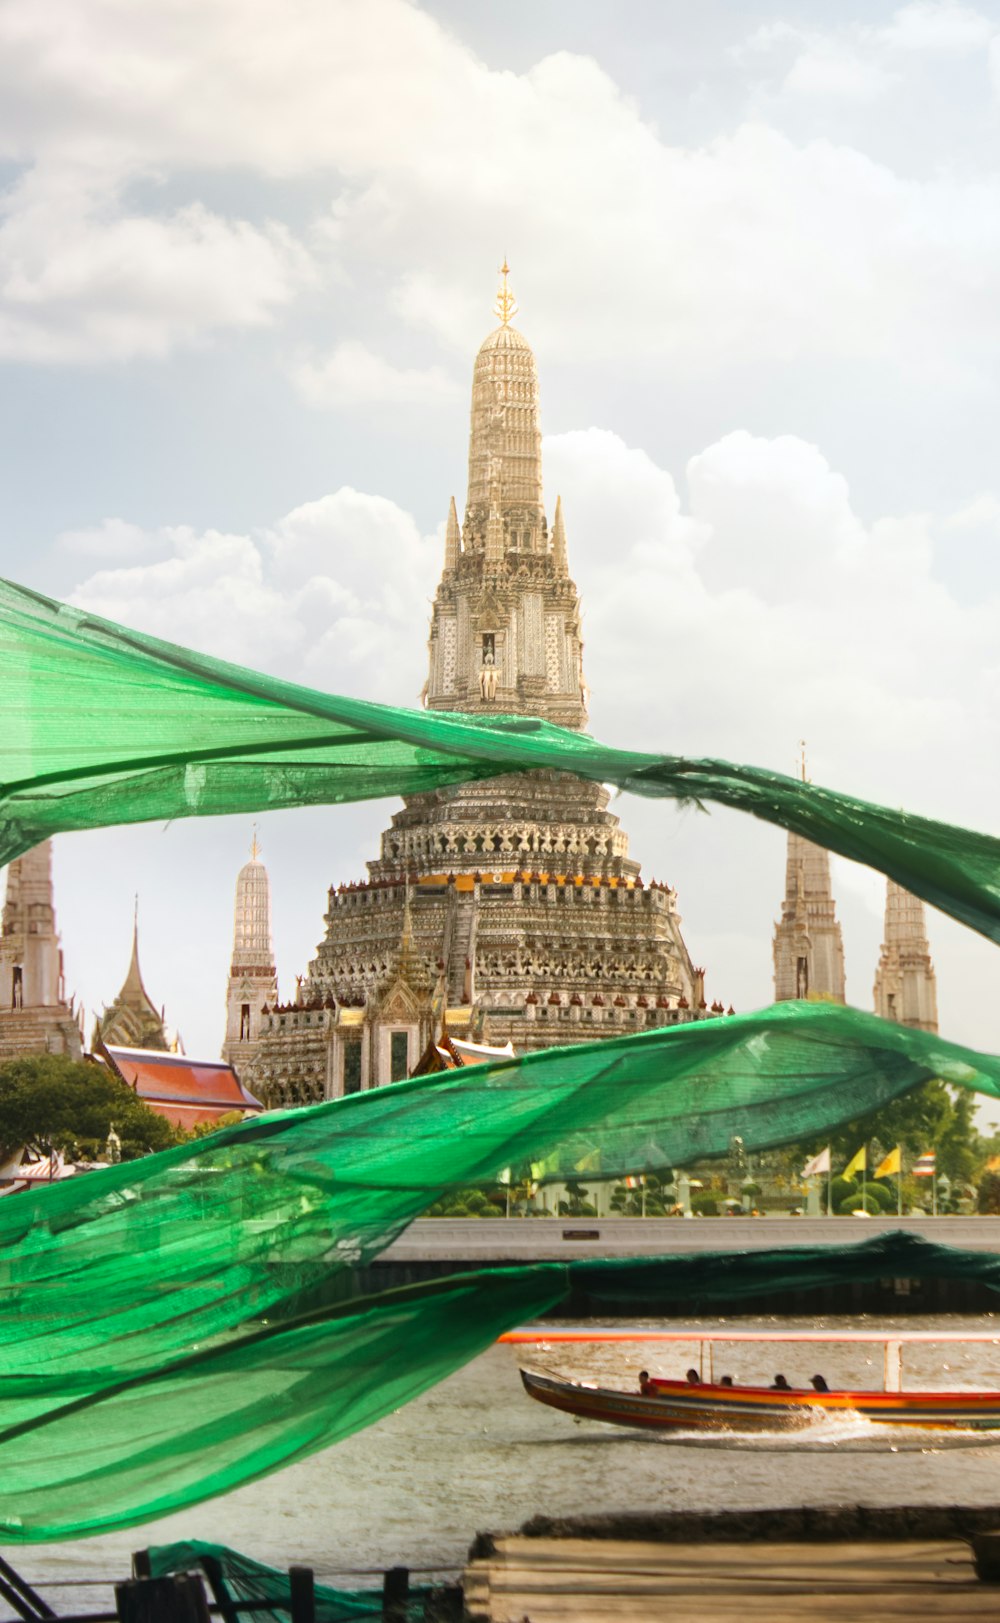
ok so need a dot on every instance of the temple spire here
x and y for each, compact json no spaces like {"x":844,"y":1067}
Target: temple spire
{"x":506,"y":625}
{"x":808,"y":944}
{"x":452,"y":538}
{"x":905,"y":983}
{"x":132,"y":984}
{"x":559,"y":554}
{"x":132,"y":1020}
{"x":34,"y":1014}
{"x":253,"y":978}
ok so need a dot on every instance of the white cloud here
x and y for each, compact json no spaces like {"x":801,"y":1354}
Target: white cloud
{"x":80,"y":280}
{"x":830,"y":67}
{"x":114,"y":539}
{"x":750,"y":244}
{"x":771,"y":612}
{"x":334,"y":595}
{"x":937,"y":25}
{"x":764,"y":612}
{"x":352,"y":375}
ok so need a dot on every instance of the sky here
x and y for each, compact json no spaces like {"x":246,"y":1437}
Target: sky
{"x":248,"y":249}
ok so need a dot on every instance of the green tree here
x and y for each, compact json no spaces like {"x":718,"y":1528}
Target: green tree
{"x":49,"y":1102}
{"x":928,"y":1117}
{"x":958,"y":1153}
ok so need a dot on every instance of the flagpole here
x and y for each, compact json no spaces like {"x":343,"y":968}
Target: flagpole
{"x":899,"y":1182}
{"x":829,"y":1189}
{"x":864,"y":1181}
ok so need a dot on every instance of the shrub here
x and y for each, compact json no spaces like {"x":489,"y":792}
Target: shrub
{"x":885,"y":1196}
{"x":857,"y":1203}
{"x":705,"y":1205}
{"x":842,"y":1189}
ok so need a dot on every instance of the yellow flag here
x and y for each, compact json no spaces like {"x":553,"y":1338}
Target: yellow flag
{"x":890,"y":1165}
{"x":857,"y":1165}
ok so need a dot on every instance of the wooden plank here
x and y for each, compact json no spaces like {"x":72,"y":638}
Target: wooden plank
{"x":597,"y":1581}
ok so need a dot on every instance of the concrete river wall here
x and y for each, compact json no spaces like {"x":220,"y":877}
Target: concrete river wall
{"x":432,"y":1247}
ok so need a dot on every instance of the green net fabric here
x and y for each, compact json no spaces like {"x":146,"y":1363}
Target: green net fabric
{"x":147,"y":1354}
{"x":101,"y":725}
{"x":236,"y":1577}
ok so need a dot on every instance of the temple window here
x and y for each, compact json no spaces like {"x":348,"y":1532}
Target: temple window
{"x":399,"y":1056}
{"x":17,"y":988}
{"x":244,"y":1022}
{"x":801,"y":977}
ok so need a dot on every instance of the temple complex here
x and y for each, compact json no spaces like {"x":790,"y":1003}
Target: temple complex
{"x":253,"y":978}
{"x":35,"y":1017}
{"x":905,"y":982}
{"x":133,"y":1020}
{"x":808,"y":945}
{"x":506,"y":910}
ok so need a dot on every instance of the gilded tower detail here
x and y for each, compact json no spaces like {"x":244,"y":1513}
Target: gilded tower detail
{"x":905,"y":982}
{"x":508,"y":908}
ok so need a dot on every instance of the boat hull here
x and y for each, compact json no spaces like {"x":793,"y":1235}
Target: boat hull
{"x":679,"y":1406}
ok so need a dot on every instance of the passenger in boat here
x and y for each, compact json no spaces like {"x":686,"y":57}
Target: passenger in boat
{"x":725,"y":1380}
{"x":644,"y":1381}
{"x":818,"y":1384}
{"x":693,"y":1378}
{"x":779,"y":1384}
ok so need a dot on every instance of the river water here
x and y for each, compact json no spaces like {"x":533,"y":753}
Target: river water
{"x":476,"y":1454}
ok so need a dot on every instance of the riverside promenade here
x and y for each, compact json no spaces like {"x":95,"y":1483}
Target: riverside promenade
{"x":490,"y":1242}
{"x":432,"y":1247}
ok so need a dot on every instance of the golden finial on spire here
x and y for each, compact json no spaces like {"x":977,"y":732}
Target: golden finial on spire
{"x":254,"y":845}
{"x":505,"y":306}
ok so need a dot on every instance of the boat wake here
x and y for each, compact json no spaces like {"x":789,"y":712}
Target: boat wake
{"x":852,"y":1434}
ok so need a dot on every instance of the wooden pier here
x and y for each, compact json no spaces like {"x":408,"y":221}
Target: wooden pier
{"x":566,"y":1580}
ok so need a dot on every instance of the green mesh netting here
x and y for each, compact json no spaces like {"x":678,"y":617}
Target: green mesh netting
{"x":236,"y":1577}
{"x":146,"y":1355}
{"x":102,"y":725}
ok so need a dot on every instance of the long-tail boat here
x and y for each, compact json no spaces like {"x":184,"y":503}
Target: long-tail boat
{"x":665,"y":1405}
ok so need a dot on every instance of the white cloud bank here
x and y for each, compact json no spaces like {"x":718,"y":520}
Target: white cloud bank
{"x":351,"y":375}
{"x":333,"y":595}
{"x":764,"y":611}
{"x":749,"y":245}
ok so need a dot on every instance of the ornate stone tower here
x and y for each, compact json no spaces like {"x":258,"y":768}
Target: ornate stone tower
{"x":253,"y":979}
{"x":132,"y":1020}
{"x":808,"y":945}
{"x":505,"y":629}
{"x":34,"y":1015}
{"x":509,"y":907}
{"x":905,"y":982}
